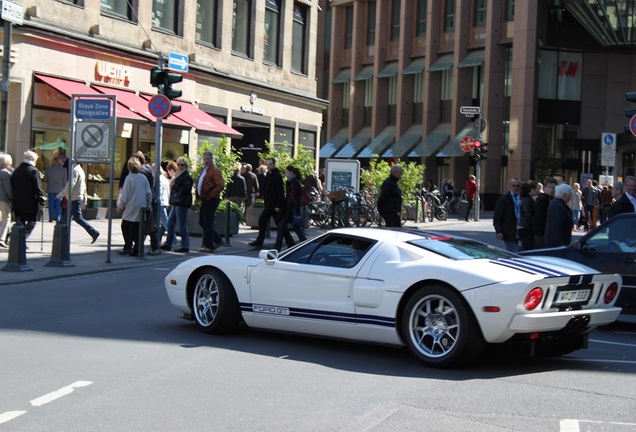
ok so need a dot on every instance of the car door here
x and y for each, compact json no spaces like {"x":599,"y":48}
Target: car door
{"x":610,"y":249}
{"x":309,"y":289}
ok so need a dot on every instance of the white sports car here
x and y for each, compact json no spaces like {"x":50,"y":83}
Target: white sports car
{"x":444,"y":297}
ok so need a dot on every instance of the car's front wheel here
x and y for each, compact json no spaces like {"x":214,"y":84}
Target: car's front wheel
{"x":214,"y":303}
{"x":439,"y":329}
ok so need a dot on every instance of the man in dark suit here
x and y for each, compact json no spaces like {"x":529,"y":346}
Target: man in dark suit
{"x":622,"y":203}
{"x":506,"y":216}
{"x":27,"y":192}
{"x":274,"y":201}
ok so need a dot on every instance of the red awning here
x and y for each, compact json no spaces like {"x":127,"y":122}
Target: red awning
{"x":138,"y":105}
{"x":69,"y":88}
{"x":203,"y":121}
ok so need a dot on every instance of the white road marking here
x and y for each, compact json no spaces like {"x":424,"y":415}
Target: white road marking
{"x":10,"y":415}
{"x":569,"y":425}
{"x":630,"y":362}
{"x":59,"y":393}
{"x":613,"y":343}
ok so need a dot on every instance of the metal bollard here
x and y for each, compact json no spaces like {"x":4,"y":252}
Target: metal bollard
{"x":17,"y":250}
{"x":61,"y":250}
{"x":141,"y":235}
{"x":228,"y":208}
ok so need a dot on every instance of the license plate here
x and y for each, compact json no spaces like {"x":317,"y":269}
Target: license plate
{"x":572,"y":296}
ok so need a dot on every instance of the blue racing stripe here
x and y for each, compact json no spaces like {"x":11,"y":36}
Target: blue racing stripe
{"x":322,"y":315}
{"x":525,"y":266}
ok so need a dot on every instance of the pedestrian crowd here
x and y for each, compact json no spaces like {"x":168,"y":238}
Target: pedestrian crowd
{"x":534,"y":215}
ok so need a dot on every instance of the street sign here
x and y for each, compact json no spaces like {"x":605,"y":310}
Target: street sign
{"x":470,"y":111}
{"x":92,"y":109}
{"x":632,"y":125}
{"x":467,"y":143}
{"x":12,"y":12}
{"x":608,"y":149}
{"x":159,"y":106}
{"x":178,"y":62}
{"x":480,"y":125}
{"x":92,"y":140}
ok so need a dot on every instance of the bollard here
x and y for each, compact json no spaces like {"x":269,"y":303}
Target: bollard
{"x":17,"y":250}
{"x":61,"y":250}
{"x":228,"y":209}
{"x":142,"y":232}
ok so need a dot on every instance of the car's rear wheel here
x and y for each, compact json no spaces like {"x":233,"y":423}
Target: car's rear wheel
{"x":439,"y":329}
{"x":214,"y":303}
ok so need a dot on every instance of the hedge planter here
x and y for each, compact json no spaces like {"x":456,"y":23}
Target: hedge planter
{"x":194,"y":229}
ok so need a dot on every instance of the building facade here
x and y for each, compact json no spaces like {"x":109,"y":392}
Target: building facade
{"x":250,"y":75}
{"x":408,"y":79}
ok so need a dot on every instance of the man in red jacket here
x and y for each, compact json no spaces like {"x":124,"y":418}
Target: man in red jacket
{"x":471,"y":193}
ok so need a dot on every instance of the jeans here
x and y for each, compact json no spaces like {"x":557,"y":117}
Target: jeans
{"x":164,"y":213}
{"x":178,"y":217}
{"x":576,"y":215}
{"x":76,"y":209}
{"x":55,"y":207}
{"x":206,"y":221}
{"x":283,"y":231}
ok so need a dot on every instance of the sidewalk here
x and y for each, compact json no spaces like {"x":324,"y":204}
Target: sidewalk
{"x":87,"y":258}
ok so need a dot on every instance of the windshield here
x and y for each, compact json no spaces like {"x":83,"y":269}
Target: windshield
{"x":461,"y":249}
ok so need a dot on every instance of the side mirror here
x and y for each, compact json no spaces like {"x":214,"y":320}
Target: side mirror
{"x":269,"y":256}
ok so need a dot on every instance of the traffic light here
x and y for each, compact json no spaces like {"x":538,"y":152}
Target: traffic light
{"x":163,"y":80}
{"x":477,"y":151}
{"x":484,"y":149}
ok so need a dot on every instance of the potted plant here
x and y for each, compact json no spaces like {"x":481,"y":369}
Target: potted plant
{"x":253,"y":212}
{"x":221,"y":217}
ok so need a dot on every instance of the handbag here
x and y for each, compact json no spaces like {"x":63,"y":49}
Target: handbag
{"x":297,"y":221}
{"x":64,"y":203}
{"x":304,"y":197}
{"x":149,"y":223}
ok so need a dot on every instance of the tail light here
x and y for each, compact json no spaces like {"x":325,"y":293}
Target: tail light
{"x":610,"y":293}
{"x":533,"y":299}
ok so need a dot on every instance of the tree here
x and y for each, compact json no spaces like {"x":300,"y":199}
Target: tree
{"x":380,"y":169}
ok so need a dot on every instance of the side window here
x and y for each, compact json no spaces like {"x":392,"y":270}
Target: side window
{"x":332,"y":251}
{"x":619,"y":236}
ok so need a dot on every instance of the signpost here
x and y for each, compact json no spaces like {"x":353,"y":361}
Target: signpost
{"x":12,"y":12}
{"x":470,"y":111}
{"x":159,"y":106}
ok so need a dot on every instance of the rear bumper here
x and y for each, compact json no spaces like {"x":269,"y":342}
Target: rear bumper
{"x":555,"y":321}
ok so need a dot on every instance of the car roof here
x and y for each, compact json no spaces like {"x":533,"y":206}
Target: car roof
{"x":393,"y":234}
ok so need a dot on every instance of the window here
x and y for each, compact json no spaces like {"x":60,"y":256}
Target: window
{"x":509,"y":12}
{"x":420,"y":17}
{"x":348,"y":39}
{"x":395,"y":19}
{"x":299,"y":39}
{"x":207,"y":12}
{"x":333,"y":251}
{"x":283,"y":139}
{"x":479,"y":14}
{"x":447,"y":84}
{"x":418,"y":97}
{"x":271,"y":37}
{"x":371,"y":7}
{"x":368,"y":102}
{"x":449,"y":15}
{"x":165,"y":15}
{"x":308,"y":140}
{"x":392,"y":100}
{"x":122,"y":8}
{"x":242,"y":27}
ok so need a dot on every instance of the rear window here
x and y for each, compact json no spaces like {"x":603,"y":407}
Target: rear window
{"x":461,"y":249}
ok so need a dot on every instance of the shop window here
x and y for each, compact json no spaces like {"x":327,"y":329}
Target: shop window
{"x":166,"y":15}
{"x":299,"y":39}
{"x":242,"y":27}
{"x":206,"y":27}
{"x":271,"y":37}
{"x":120,"y":8}
{"x":283,"y":139}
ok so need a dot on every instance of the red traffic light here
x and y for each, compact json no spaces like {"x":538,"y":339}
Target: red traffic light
{"x":477,"y":144}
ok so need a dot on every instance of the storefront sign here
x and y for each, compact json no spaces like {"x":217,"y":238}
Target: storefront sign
{"x":112,"y":73}
{"x":252,"y":110}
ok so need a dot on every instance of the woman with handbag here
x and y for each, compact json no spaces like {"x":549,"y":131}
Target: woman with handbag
{"x":292,"y":212}
{"x":180,"y":200}
{"x":135,"y":194}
